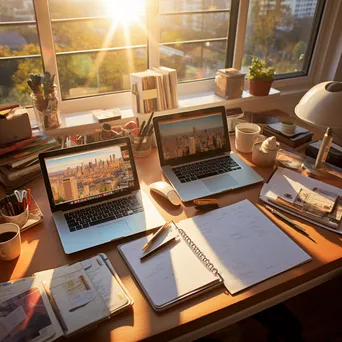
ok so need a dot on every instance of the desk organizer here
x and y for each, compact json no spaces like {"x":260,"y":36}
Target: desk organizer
{"x":35,"y":216}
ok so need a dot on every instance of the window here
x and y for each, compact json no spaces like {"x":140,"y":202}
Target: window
{"x":19,"y":50}
{"x":93,"y":46}
{"x":189,"y":41}
{"x":98,"y":44}
{"x":283,"y":33}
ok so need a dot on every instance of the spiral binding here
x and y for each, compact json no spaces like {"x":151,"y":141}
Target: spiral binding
{"x":198,"y":252}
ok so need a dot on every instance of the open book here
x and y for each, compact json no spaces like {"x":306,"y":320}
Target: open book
{"x":61,"y":301}
{"x":224,"y":245}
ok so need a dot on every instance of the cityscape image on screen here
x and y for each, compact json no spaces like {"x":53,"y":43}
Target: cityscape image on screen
{"x":192,"y":136}
{"x":84,"y":176}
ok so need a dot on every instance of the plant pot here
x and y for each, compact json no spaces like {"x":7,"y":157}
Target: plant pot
{"x":259,"y":88}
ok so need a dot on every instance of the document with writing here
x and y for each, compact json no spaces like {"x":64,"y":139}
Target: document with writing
{"x":61,"y":301}
{"x":245,"y":248}
{"x":226,"y":243}
{"x":171,"y":275}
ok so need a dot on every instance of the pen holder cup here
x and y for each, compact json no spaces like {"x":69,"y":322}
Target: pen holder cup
{"x":141,"y":146}
{"x":20,"y":219}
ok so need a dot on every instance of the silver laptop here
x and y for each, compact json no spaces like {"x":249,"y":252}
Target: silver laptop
{"x":94,"y":194}
{"x":194,"y":152}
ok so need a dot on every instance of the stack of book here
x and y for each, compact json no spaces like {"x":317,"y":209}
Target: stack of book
{"x":154,"y":90}
{"x":19,"y":161}
{"x":298,"y":138}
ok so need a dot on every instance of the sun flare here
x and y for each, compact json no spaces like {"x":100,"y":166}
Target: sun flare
{"x":125,"y":11}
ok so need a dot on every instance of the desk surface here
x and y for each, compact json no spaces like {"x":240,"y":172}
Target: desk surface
{"x":41,"y":249}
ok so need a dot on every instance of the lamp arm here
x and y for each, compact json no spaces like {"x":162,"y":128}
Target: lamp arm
{"x":324,"y":148}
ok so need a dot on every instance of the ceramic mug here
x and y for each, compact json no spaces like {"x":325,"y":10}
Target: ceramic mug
{"x":20,"y":219}
{"x":246,"y":135}
{"x":10,"y":242}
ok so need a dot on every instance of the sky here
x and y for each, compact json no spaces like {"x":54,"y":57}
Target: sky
{"x":62,"y":163}
{"x":182,"y":126}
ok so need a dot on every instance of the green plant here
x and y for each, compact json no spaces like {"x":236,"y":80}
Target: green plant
{"x":258,"y":71}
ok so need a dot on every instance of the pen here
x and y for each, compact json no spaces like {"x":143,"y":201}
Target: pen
{"x":28,"y":194}
{"x":166,"y":243}
{"x":206,"y":206}
{"x":149,"y":243}
{"x":290,"y":222}
{"x":205,"y":201}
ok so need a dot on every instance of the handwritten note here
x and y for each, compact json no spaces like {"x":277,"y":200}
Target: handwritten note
{"x":243,"y":244}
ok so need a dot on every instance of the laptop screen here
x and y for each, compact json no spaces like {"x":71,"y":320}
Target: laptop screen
{"x":192,"y":136}
{"x":96,"y":173}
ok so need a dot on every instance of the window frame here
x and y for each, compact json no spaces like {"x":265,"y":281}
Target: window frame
{"x":123,"y":100}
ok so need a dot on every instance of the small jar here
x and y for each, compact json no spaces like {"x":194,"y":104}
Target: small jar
{"x":46,"y":110}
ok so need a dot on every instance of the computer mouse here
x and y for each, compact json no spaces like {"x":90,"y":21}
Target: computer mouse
{"x":166,"y":190}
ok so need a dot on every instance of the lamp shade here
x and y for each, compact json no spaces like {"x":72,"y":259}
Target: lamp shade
{"x":322,"y":105}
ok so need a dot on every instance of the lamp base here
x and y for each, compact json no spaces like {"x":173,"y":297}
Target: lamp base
{"x":309,"y":167}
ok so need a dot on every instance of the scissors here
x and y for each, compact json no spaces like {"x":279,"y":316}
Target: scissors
{"x":21,"y":197}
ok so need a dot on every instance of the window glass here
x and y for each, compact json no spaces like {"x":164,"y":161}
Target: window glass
{"x":98,"y":44}
{"x":279,"y":31}
{"x":20,"y":51}
{"x":194,"y":43}
{"x":192,"y":5}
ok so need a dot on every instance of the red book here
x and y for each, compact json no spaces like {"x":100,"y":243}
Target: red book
{"x":18,"y":145}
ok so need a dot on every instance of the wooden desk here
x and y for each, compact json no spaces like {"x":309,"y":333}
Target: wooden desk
{"x":41,"y":249}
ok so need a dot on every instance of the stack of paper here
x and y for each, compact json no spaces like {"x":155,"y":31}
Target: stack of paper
{"x":308,"y":198}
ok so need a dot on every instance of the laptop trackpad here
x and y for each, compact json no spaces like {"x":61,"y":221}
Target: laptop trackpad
{"x":220,"y":183}
{"x":114,"y":229}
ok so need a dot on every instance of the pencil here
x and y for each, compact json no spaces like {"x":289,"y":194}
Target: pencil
{"x":55,"y":307}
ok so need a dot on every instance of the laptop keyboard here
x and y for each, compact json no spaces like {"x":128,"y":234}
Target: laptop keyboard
{"x":205,"y":168}
{"x":104,"y":212}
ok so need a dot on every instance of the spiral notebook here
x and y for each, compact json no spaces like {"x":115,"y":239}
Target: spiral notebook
{"x":222,"y":246}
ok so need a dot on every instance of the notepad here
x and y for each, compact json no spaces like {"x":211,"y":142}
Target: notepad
{"x":61,"y":301}
{"x":237,"y":244}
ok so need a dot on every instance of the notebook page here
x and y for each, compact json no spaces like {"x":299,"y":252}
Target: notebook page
{"x":173,"y":272}
{"x":243,"y":244}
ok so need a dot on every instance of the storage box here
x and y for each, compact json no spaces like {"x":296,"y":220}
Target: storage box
{"x":229,"y":83}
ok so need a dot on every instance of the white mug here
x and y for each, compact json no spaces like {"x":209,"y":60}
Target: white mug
{"x":246,"y":135}
{"x":9,"y":248}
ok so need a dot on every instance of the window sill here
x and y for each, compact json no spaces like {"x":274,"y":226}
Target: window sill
{"x":84,"y":122}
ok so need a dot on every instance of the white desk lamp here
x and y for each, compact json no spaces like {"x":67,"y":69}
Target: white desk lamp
{"x":322,"y":106}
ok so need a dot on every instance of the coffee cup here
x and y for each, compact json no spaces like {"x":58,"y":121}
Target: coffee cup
{"x":246,"y":135}
{"x":10,"y":242}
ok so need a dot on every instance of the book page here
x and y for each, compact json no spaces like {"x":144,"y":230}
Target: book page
{"x":246,"y":249}
{"x":26,"y":313}
{"x":77,"y":300}
{"x":106,"y":285}
{"x":170,"y":274}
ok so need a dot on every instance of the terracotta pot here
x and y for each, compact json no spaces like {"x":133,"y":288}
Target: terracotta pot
{"x":260,"y":88}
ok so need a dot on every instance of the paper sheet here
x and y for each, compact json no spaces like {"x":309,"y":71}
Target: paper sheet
{"x":170,"y":274}
{"x":75,"y":317}
{"x":246,"y":249}
{"x":106,"y":285}
{"x":289,"y":183}
{"x":25,"y":309}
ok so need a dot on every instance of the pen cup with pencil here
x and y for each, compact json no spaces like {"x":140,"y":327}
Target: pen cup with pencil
{"x":141,"y":146}
{"x":15,"y":208}
{"x":142,"y":143}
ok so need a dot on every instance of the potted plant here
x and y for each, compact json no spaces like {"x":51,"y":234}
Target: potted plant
{"x":260,"y":77}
